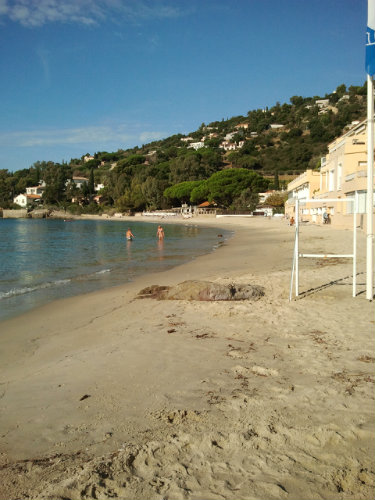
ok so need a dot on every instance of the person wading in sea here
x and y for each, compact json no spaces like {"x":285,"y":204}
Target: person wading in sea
{"x":160,"y":233}
{"x":129,"y":234}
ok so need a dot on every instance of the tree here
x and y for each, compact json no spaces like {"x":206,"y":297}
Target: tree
{"x":200,"y":193}
{"x":226,"y":185}
{"x":276,"y":200}
{"x":55,"y":177}
{"x":181,"y":192}
{"x":247,"y":201}
{"x":91,"y":183}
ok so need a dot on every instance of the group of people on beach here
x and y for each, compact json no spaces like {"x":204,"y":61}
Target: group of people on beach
{"x":159,"y":233}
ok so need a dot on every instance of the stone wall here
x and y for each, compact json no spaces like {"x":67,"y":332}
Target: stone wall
{"x":15,"y":214}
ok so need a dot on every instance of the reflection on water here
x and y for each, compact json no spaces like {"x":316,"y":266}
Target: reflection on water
{"x":161,"y":249}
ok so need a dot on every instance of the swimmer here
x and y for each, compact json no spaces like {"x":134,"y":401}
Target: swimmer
{"x":129,"y":235}
{"x":160,"y":233}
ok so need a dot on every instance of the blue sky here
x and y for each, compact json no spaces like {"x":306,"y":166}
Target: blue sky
{"x":80,"y":76}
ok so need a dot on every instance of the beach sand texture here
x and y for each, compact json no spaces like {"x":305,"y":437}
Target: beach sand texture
{"x":108,"y":395}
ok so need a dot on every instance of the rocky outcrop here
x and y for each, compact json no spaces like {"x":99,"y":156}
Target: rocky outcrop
{"x":203,"y":290}
{"x":39,"y":214}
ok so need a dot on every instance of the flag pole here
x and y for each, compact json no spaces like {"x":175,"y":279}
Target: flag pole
{"x":370,"y":189}
{"x":370,"y":70}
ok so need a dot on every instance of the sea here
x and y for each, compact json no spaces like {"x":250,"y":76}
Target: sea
{"x":42,"y":260}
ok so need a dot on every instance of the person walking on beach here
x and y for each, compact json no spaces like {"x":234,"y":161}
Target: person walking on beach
{"x":129,"y":234}
{"x":160,"y":233}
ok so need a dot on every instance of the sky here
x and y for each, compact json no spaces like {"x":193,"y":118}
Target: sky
{"x":83,"y":76}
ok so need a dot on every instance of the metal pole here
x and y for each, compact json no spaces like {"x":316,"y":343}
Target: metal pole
{"x":355,"y":244}
{"x":293,"y":267}
{"x":370,"y":192}
{"x":297,"y":246}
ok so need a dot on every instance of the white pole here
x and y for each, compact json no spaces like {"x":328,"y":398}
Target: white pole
{"x":355,"y":244}
{"x":370,"y":192}
{"x":293,"y":266}
{"x":297,"y":246}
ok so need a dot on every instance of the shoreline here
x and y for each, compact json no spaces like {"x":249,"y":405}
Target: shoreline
{"x":117,"y":282}
{"x":110,"y":394}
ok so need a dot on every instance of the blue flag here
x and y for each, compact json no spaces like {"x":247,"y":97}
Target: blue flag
{"x":370,"y":39}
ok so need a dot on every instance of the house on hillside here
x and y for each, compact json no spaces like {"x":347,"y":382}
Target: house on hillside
{"x":196,"y":145}
{"x":24,"y":200}
{"x":322,"y":103}
{"x":79,"y":181}
{"x":87,"y":158}
{"x":240,"y":126}
{"x":35,"y":190}
{"x":231,"y":146}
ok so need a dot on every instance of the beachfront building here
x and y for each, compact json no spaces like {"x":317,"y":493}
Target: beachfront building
{"x":343,"y":173}
{"x":303,"y":187}
{"x":24,"y":199}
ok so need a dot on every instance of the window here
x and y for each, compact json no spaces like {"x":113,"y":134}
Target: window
{"x":331,"y":178}
{"x":339,"y":176}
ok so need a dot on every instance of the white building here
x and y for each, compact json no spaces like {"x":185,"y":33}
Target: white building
{"x":35,"y":190}
{"x":196,"y":145}
{"x":25,"y":199}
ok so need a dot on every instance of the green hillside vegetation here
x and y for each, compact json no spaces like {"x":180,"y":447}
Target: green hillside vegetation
{"x":266,"y":144}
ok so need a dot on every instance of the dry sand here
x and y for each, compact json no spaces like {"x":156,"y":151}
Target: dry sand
{"x":110,"y":396}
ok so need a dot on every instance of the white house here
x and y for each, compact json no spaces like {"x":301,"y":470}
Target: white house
{"x":322,"y":103}
{"x":79,"y":181}
{"x":35,"y":190}
{"x":87,"y":158}
{"x":25,"y":199}
{"x":196,"y":145}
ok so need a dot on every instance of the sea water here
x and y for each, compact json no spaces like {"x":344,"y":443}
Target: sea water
{"x":43,"y":259}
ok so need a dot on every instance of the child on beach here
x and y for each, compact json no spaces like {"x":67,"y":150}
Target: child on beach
{"x":160,"y":233}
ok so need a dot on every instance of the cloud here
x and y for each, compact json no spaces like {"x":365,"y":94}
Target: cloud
{"x":34,"y":13}
{"x":94,"y":136}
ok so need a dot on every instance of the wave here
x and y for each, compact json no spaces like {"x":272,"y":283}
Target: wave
{"x":28,"y":289}
{"x":49,"y":284}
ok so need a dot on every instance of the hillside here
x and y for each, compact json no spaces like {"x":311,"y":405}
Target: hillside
{"x":280,"y":141}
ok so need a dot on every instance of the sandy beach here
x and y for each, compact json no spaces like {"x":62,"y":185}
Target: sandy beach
{"x":108,"y":395}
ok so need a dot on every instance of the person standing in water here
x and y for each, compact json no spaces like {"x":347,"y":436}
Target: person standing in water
{"x":160,"y":233}
{"x":129,"y":234}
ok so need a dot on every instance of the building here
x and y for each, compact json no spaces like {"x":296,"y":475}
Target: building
{"x":342,"y":175}
{"x":303,"y":187}
{"x":35,"y":190}
{"x":80,"y":181}
{"x":196,"y":145}
{"x":23,"y":200}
